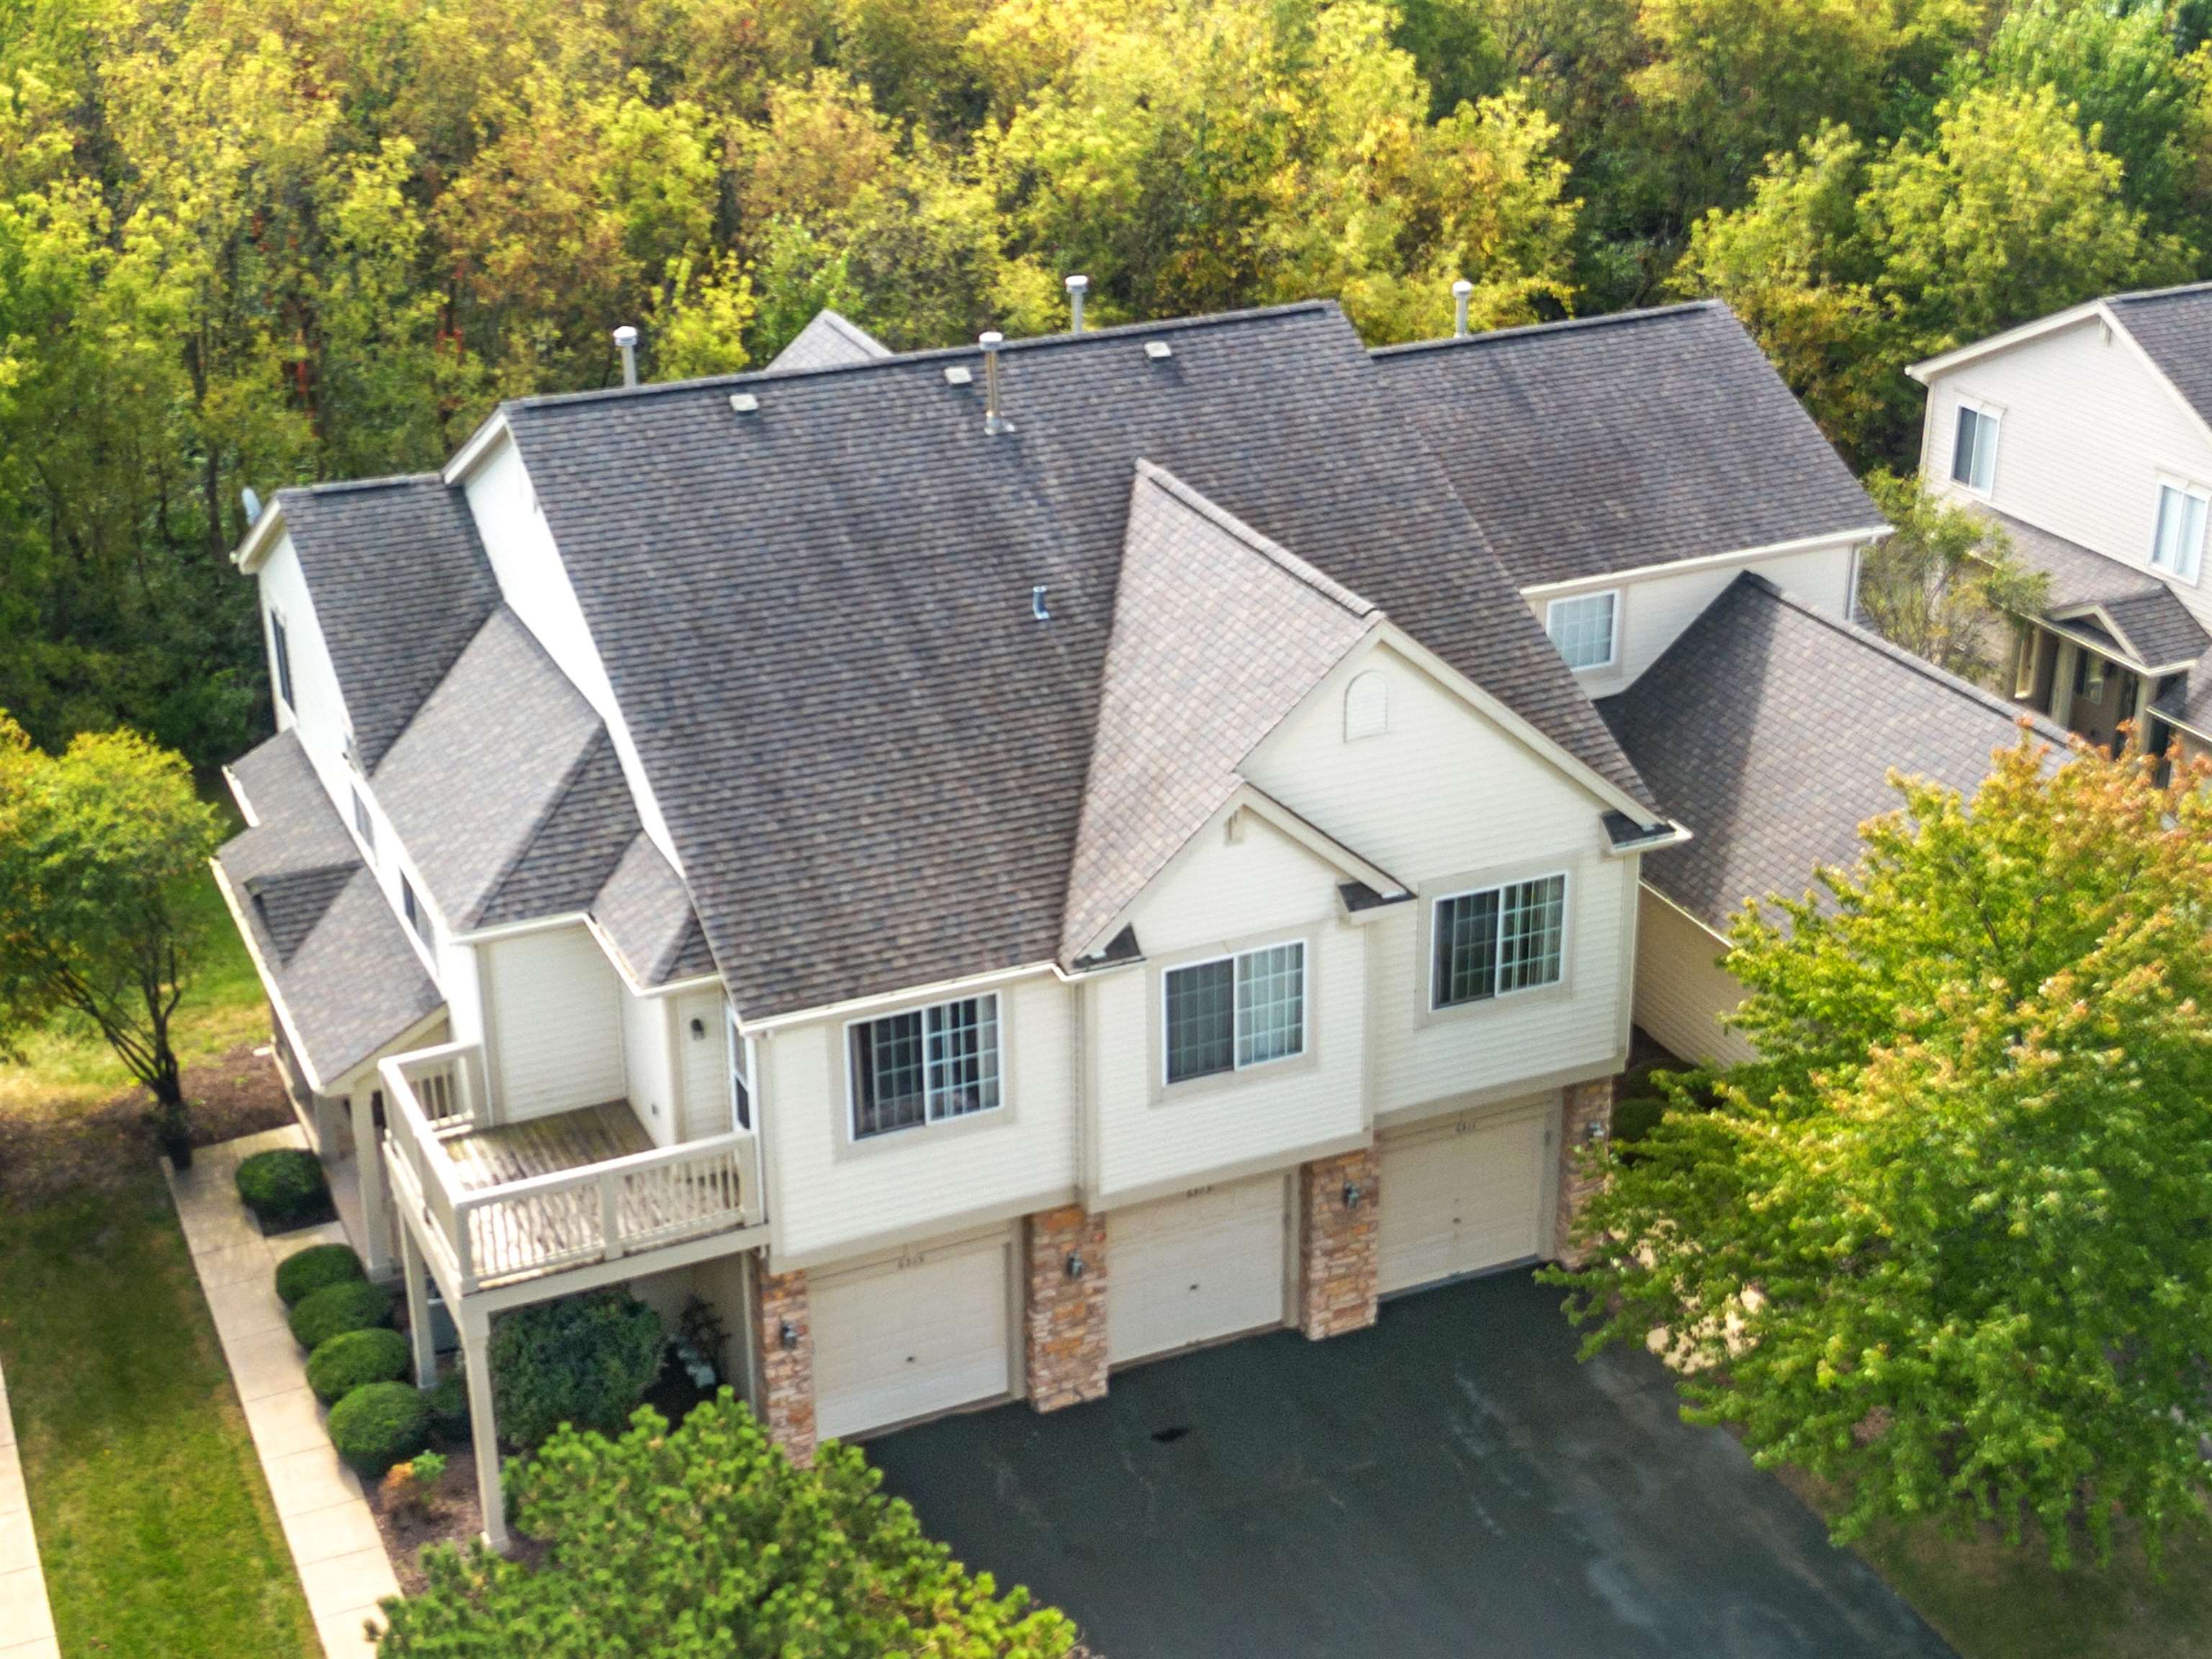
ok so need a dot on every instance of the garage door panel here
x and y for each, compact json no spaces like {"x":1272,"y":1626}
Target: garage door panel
{"x":899,"y":1342}
{"x":1193,"y":1269}
{"x":1462,"y":1199}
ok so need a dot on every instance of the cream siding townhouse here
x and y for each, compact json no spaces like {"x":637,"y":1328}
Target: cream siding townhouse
{"x":991,"y":865}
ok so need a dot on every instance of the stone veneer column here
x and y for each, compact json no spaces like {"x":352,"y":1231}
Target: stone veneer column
{"x":787,"y":1403}
{"x":1064,"y":1318}
{"x":1586,"y":1116}
{"x":1337,"y":1242}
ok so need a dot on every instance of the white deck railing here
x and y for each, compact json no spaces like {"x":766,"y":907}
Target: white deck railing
{"x":519,"y":1229}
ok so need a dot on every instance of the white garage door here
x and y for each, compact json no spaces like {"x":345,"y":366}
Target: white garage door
{"x":1189,"y":1269}
{"x":906,"y":1338}
{"x":1462,"y":1196}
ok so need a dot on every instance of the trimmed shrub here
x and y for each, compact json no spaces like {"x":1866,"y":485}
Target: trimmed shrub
{"x":449,"y":1406}
{"x":380,"y":1424}
{"x":336,"y":1308}
{"x":584,"y":1359}
{"x":353,"y":1358}
{"x":283,"y":1186}
{"x":707,"y":1528}
{"x":303,"y":1272}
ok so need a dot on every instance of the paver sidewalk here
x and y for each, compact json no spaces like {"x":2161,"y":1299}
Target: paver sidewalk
{"x":335,"y":1544}
{"x":27,"y":1620}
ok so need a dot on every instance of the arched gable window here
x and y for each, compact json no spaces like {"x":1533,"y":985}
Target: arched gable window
{"x":1366,"y":706}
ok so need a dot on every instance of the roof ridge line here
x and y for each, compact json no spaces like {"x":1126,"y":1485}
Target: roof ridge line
{"x":1258,"y":541}
{"x":345,"y":486}
{"x":1521,"y":330}
{"x":931,"y":354}
{"x":2158,"y":293}
{"x":1920,"y":665}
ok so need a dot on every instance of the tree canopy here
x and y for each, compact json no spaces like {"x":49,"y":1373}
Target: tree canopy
{"x":703,"y":1541}
{"x":95,"y":844}
{"x":1948,"y":1241}
{"x":254,"y":244}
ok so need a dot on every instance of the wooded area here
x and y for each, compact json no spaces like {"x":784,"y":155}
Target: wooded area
{"x":256,"y":243}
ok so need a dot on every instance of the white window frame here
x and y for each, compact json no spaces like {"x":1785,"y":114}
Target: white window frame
{"x":280,"y":658}
{"x":1985,"y":415}
{"x":2195,"y":492}
{"x":414,"y":911}
{"x":1565,"y":877}
{"x":364,"y":825}
{"x":1613,"y":628}
{"x":1237,"y":1065}
{"x":743,"y":1118}
{"x":930,"y":1119}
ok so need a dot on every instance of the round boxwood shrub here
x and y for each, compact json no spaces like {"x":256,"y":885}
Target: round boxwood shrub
{"x":336,"y":1309}
{"x":303,"y":1272}
{"x":353,"y":1358}
{"x":584,"y":1359}
{"x":283,"y":1186}
{"x":380,"y":1424}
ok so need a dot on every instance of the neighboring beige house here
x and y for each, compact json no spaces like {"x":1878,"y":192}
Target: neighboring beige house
{"x":990,"y":865}
{"x":2087,"y":436}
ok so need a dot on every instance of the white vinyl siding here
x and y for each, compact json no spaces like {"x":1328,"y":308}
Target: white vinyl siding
{"x":2178,"y":545}
{"x":1582,"y":627}
{"x":1974,"y":448}
{"x":704,"y":1064}
{"x":1463,"y":1197}
{"x":649,"y":1067}
{"x":924,"y":1333}
{"x":1681,"y":989}
{"x":1196,"y":1268}
{"x":556,"y":1008}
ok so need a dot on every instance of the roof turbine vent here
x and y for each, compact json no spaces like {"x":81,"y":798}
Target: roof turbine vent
{"x":995,"y":422}
{"x":626,"y":342}
{"x":1461,"y":291}
{"x":1077,"y":287}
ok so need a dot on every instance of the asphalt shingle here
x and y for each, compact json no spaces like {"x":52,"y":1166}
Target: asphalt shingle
{"x":2159,"y":630}
{"x":1634,"y":439}
{"x":2174,"y":327}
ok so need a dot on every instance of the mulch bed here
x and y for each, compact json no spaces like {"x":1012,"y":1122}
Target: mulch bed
{"x":46,"y":1152}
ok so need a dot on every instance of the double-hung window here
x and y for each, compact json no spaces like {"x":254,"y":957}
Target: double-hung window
{"x":926,"y":1065}
{"x":1235,"y":1011}
{"x":281,"y":648}
{"x":364,"y":825}
{"x":418,"y":917}
{"x":1582,"y":628}
{"x":2178,"y":546}
{"x":741,"y":1088}
{"x":1974,"y":448}
{"x":1497,"y":940}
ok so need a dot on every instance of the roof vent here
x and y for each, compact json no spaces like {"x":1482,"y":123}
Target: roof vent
{"x":1038,"y":608}
{"x":1158,"y":350}
{"x":1077,"y":287}
{"x":626,"y":342}
{"x":994,"y":422}
{"x":1460,"y":290}
{"x":744,"y":402}
{"x":957,"y":375}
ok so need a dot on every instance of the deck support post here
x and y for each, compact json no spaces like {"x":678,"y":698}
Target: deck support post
{"x":425,"y":1340}
{"x":483,"y":1427}
{"x":369,"y":1176}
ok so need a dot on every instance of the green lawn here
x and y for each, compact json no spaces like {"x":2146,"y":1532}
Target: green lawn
{"x":154,"y":1528}
{"x":1994,"y":1602}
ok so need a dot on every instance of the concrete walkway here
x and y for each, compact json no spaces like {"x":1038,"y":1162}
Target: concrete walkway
{"x":27,"y":1621}
{"x":335,"y":1543}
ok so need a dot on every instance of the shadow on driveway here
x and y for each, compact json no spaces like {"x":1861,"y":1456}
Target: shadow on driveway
{"x":1449,"y":1483}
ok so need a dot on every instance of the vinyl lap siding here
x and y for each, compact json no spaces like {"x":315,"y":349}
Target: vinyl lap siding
{"x":1682,"y":991}
{"x":705,"y":1062}
{"x":556,"y":1023}
{"x":647,"y":1068}
{"x":2086,"y":430}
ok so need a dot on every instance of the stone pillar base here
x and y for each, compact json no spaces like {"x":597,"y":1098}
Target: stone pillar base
{"x":1064,"y":1317}
{"x":786,"y":1407}
{"x":1586,"y":1118}
{"x":1339,"y":1238}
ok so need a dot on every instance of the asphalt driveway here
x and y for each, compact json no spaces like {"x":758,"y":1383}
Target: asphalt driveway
{"x":1449,"y":1483}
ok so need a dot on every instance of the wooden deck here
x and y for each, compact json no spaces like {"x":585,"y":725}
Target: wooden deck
{"x":552,"y":1145}
{"x":512,"y":1238}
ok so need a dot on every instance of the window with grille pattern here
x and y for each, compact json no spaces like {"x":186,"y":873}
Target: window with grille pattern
{"x":1497,"y":940}
{"x":1236,"y":1012}
{"x":1582,"y":628}
{"x":925,"y":1066}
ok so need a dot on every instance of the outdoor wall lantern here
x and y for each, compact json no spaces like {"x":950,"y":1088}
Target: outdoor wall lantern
{"x":698,"y":1029}
{"x":1352,"y":1194}
{"x":1075,"y":1266}
{"x":787,"y":1334}
{"x":1594,"y":1133}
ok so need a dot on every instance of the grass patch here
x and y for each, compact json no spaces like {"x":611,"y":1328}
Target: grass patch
{"x":68,"y":1065}
{"x":155,"y":1527}
{"x":1990,"y":1601}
